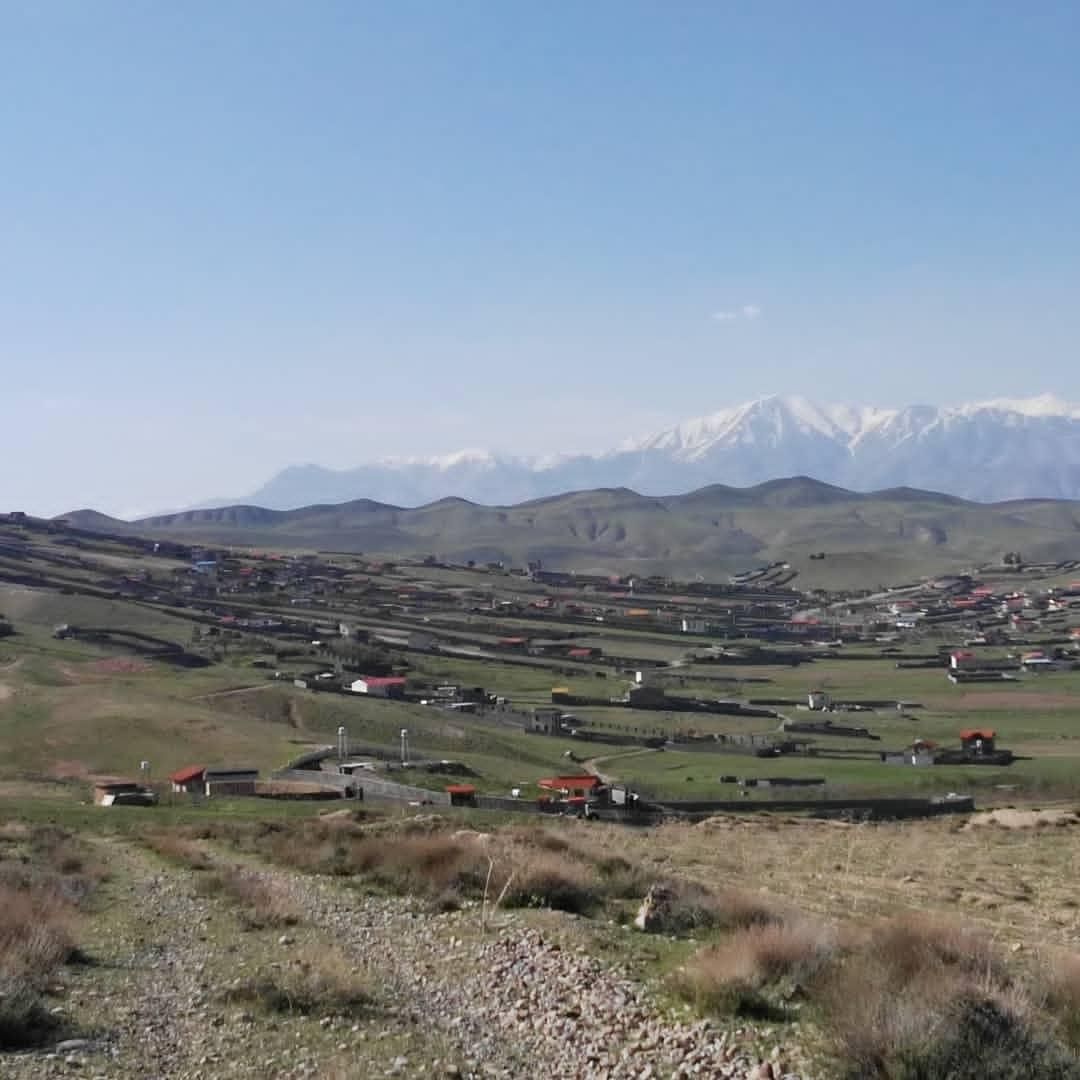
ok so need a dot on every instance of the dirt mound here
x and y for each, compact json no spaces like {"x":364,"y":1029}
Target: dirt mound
{"x":1023,"y":819}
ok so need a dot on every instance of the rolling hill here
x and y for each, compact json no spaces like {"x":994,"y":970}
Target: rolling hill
{"x":710,"y":531}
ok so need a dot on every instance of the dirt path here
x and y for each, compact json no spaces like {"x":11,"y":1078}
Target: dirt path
{"x":449,"y":1000}
{"x":593,"y":764}
{"x":235,"y":690}
{"x":150,"y":1004}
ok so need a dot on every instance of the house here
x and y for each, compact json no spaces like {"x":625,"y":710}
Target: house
{"x":818,"y":700}
{"x":516,"y":644}
{"x":545,"y":721}
{"x":963,"y":660}
{"x":571,"y":786}
{"x":583,"y":652}
{"x":1037,"y":660}
{"x":190,"y":779}
{"x":694,"y":626}
{"x":647,"y":697}
{"x":389,"y":686}
{"x":461,"y":794}
{"x":978,"y":740}
{"x":117,"y":792}
{"x":230,"y":780}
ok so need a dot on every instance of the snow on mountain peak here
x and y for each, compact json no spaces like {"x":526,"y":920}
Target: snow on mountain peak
{"x":1040,"y":407}
{"x":764,"y":422}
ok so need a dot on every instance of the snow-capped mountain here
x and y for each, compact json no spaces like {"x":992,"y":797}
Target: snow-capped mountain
{"x":989,"y":451}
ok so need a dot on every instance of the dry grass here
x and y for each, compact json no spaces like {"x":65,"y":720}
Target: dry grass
{"x":423,"y":858}
{"x":548,"y":879}
{"x":732,"y":975}
{"x":903,"y":1000}
{"x":321,"y":983}
{"x":912,"y":943}
{"x":907,"y":998}
{"x":43,"y":877}
{"x":1063,"y":995}
{"x":263,"y":902}
{"x":36,"y":930}
{"x":178,"y":849}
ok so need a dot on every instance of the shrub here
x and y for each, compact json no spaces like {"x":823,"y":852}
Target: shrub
{"x":917,"y":998}
{"x":550,"y":880}
{"x":979,"y":1039}
{"x":36,"y":930}
{"x":321,"y":983}
{"x":730,"y":976}
{"x":422,"y":865}
{"x":24,"y":1019}
{"x":263,"y":902}
{"x":910,"y":944}
{"x":1063,"y":996}
{"x":178,"y":849}
{"x":36,"y":936}
{"x":683,"y":906}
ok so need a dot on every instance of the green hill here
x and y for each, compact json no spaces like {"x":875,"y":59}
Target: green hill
{"x":714,"y":529}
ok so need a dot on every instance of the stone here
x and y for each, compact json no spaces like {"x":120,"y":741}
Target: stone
{"x":653,"y":911}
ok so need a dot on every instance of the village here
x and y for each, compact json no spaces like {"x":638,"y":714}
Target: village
{"x":611,"y":667}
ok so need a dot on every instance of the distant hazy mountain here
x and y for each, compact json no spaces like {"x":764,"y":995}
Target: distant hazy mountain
{"x":994,"y":450}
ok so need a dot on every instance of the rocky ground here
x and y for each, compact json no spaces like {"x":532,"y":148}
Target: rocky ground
{"x":449,"y":997}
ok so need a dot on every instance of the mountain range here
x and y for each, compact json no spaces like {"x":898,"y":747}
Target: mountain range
{"x":870,"y":538}
{"x":988,"y":451}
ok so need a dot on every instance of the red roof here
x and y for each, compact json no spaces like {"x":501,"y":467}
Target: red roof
{"x":460,"y":789}
{"x":187,"y":774}
{"x":580,"y":652}
{"x":384,"y":680}
{"x":976,"y":733}
{"x":570,"y":783}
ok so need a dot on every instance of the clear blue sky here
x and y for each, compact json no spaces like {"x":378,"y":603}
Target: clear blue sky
{"x":236,"y":235}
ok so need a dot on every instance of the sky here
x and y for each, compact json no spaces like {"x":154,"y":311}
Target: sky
{"x":240,"y":235}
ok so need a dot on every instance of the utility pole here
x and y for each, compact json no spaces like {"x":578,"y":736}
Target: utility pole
{"x":404,"y":746}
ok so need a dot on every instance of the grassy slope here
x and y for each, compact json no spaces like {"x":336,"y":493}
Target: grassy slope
{"x":886,"y":534}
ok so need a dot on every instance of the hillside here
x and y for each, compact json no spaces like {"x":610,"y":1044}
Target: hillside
{"x":713,"y":529}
